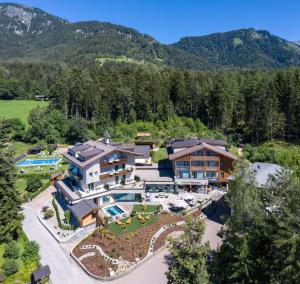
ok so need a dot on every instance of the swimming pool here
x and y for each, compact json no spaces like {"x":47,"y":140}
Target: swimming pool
{"x":114,"y":210}
{"x":38,"y":162}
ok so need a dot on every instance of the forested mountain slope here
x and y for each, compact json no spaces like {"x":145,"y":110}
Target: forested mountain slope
{"x":32,"y":34}
{"x":246,"y":48}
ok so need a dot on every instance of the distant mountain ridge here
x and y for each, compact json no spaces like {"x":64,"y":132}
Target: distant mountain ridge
{"x":31,"y":34}
{"x":245,"y":48}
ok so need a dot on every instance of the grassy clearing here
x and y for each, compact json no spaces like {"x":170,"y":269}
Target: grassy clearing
{"x":24,"y":194}
{"x":21,"y":147}
{"x":135,"y":222}
{"x":23,"y":275}
{"x":119,"y":59}
{"x":19,"y":108}
{"x":159,"y":155}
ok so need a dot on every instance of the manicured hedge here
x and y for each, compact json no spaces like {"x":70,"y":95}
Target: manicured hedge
{"x":60,"y":223}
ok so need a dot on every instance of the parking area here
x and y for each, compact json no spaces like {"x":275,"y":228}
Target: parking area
{"x":155,"y":174}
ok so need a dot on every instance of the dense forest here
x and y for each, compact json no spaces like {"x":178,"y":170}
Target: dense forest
{"x":249,"y":106}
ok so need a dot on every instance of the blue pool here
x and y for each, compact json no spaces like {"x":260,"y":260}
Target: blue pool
{"x":114,"y":210}
{"x":38,"y":162}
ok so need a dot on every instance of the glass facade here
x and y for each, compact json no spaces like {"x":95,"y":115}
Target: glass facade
{"x":182,"y":163}
{"x":198,"y":174}
{"x":197,"y":163}
{"x":212,"y":164}
{"x":160,"y":188}
{"x":136,"y":197}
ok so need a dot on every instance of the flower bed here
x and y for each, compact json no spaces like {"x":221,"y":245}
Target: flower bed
{"x":97,"y":265}
{"x":130,"y":245}
{"x":161,"y":240}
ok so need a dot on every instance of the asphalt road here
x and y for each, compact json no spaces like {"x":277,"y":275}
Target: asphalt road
{"x":64,"y":270}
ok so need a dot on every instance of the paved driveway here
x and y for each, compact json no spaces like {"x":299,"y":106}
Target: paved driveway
{"x":64,"y":270}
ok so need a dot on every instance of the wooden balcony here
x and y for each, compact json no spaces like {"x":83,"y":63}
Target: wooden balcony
{"x":115,"y":162}
{"x":120,"y":172}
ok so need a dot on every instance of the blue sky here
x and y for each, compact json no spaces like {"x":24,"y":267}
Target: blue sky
{"x":169,"y":20}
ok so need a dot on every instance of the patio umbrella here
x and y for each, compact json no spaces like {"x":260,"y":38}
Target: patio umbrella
{"x":179,"y":203}
{"x":188,"y":196}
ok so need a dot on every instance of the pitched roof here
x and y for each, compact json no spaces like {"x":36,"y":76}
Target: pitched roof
{"x":263,"y":171}
{"x":199,"y":147}
{"x":37,"y":147}
{"x":91,"y":151}
{"x":186,"y":143}
{"x":82,"y":208}
{"x":41,"y":273}
{"x":143,"y":149}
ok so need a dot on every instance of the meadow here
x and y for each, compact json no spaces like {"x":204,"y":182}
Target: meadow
{"x":19,"y":108}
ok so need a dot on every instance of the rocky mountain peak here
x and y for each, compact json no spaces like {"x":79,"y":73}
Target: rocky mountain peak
{"x":23,"y":20}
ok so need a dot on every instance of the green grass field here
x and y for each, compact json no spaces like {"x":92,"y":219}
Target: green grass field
{"x":135,"y":223}
{"x":18,"y":108}
{"x":159,"y":155}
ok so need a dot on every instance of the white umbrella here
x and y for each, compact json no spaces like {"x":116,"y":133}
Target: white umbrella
{"x":188,"y":196}
{"x":179,"y":203}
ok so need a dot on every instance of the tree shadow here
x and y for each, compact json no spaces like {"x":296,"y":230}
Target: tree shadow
{"x":218,"y":211}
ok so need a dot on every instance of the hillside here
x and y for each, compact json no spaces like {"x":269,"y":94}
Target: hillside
{"x":32,"y":34}
{"x":29,"y":33}
{"x":246,"y":48}
{"x":297,"y":42}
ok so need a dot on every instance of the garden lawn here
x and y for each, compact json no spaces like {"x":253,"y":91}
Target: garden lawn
{"x":159,"y":155}
{"x":19,"y":108}
{"x":133,"y":226}
{"x":21,"y":147}
{"x":135,"y":222}
{"x":24,"y":194}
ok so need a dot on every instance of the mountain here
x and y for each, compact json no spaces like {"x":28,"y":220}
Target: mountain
{"x":297,"y":42}
{"x":31,"y":34}
{"x":246,"y":48}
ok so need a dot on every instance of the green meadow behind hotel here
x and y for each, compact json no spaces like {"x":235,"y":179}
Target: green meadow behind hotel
{"x":19,"y":108}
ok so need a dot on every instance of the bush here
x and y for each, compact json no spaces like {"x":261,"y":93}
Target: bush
{"x":33,"y":183}
{"x":60,"y":223}
{"x":137,"y":178}
{"x":67,"y":216}
{"x":48,"y":213}
{"x":31,"y":253}
{"x":45,"y":208}
{"x":10,"y":267}
{"x":11,"y":251}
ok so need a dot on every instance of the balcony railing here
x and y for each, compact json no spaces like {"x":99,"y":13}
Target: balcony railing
{"x":114,"y":162}
{"x":118,"y":172}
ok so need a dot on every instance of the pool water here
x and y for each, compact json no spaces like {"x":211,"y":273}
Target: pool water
{"x":38,"y":162}
{"x":114,"y":210}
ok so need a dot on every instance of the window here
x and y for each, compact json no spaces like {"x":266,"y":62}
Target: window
{"x":90,"y":186}
{"x":222,"y":165}
{"x":91,"y":174}
{"x":182,"y":163}
{"x":198,"y":153}
{"x":197,"y":163}
{"x":210,"y":153}
{"x":183,"y":174}
{"x":198,"y":174}
{"x":211,"y":174}
{"x":96,"y":173}
{"x":212,"y":164}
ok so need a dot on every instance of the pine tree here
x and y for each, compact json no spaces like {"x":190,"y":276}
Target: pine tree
{"x":10,"y":203}
{"x":188,"y":255}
